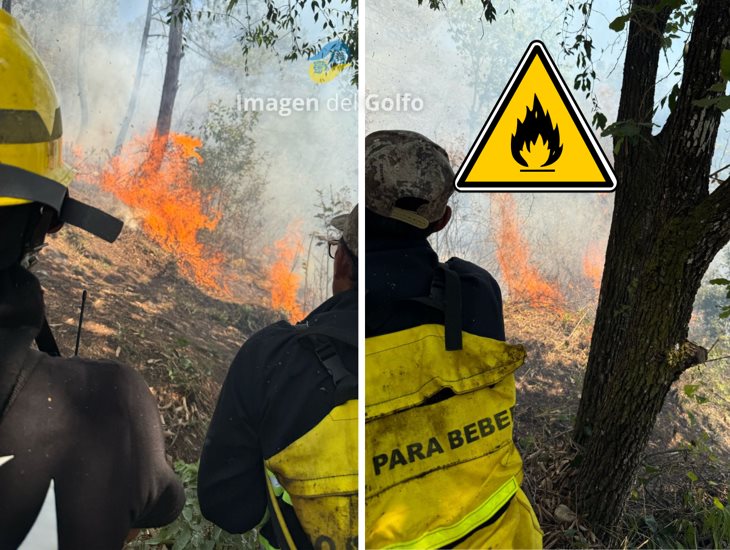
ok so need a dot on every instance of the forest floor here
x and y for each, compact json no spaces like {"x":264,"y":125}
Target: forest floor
{"x":140,"y":311}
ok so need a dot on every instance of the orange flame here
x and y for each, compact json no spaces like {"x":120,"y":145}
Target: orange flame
{"x":593,"y":263}
{"x":282,"y":278}
{"x":513,"y":254}
{"x":153,"y":175}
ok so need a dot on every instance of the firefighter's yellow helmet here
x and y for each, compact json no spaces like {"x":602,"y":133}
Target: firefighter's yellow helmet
{"x":30,"y":117}
{"x":31,"y":165}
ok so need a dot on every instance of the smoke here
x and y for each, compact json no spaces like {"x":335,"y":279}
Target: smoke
{"x":460,"y":81}
{"x":91,"y":51}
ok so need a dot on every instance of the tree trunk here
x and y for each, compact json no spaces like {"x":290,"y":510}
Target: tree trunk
{"x":666,"y":230}
{"x":7,"y":5}
{"x":122,"y":136}
{"x":172,"y":70}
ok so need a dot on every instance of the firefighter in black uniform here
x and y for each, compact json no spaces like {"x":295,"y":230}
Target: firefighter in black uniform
{"x":281,"y":450}
{"x":85,"y":432}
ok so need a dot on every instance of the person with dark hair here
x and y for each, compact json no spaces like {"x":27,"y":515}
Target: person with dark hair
{"x":83,"y":434}
{"x":281,"y":449}
{"x":442,"y":470}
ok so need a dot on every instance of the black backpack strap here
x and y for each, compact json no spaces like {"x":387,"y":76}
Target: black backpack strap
{"x":452,"y":309}
{"x":45,"y":340}
{"x":444,"y":296}
{"x":320,"y":336}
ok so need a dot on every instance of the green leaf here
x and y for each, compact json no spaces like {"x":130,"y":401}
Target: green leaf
{"x":619,"y":23}
{"x":719,"y":505}
{"x":705,"y":102}
{"x":692,"y":476}
{"x":673,"y":95}
{"x":725,"y":64}
{"x":723,"y":103}
{"x":691,"y":389}
{"x":719,"y":282}
{"x":599,"y":120}
{"x":182,"y":540}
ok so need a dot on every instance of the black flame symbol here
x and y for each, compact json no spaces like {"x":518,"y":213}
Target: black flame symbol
{"x":537,"y":124}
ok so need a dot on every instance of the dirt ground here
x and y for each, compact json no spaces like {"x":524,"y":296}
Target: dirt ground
{"x":689,"y":438}
{"x":143,"y":313}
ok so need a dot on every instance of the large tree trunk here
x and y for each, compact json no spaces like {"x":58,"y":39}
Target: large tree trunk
{"x":122,"y":136}
{"x":172,"y":70}
{"x":666,"y":230}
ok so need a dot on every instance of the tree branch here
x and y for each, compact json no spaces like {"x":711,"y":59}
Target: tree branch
{"x":685,"y":356}
{"x":642,"y":58}
{"x":690,"y":132}
{"x":710,"y":219}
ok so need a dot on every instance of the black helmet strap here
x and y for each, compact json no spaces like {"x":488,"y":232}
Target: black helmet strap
{"x":21,"y":184}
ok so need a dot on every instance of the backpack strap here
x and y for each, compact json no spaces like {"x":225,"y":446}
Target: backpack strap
{"x":319,"y":337}
{"x":444,"y":295}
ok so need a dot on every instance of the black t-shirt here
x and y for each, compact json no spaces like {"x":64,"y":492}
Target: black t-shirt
{"x":92,"y":427}
{"x":275,"y":392}
{"x":398,"y":270}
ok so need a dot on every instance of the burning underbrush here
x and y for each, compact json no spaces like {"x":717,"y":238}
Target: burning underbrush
{"x":522,"y":274}
{"x":152,"y":176}
{"x":283,"y":280}
{"x":156,"y":184}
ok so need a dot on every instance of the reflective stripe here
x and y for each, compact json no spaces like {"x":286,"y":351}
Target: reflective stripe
{"x":279,"y":515}
{"x":266,"y":544}
{"x":279,"y":491}
{"x":470,"y":522}
{"x":25,"y":126}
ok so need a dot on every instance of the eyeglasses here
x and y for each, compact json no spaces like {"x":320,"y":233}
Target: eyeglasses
{"x":332,"y":248}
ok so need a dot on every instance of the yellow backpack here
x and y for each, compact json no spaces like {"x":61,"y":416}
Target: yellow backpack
{"x":441,"y":467}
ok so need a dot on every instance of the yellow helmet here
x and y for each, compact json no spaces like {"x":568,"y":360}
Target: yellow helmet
{"x":31,"y":165}
{"x":30,"y":117}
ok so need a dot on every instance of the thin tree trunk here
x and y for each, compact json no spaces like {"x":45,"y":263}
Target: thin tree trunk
{"x":172,"y":71}
{"x":7,"y":5}
{"x":666,"y":230}
{"x":122,"y":136}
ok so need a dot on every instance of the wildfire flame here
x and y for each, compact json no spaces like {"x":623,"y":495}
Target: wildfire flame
{"x":525,"y":148}
{"x":153,"y":176}
{"x":523,"y":280}
{"x":593,"y":263}
{"x":284,"y":281}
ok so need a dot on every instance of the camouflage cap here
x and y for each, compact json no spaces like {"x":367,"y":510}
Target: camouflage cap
{"x":347,"y":225}
{"x":402,"y":164}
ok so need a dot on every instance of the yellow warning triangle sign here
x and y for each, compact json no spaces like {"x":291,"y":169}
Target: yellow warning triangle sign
{"x":536,"y":138}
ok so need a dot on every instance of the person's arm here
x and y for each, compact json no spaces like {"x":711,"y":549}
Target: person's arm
{"x":159,"y":496}
{"x":231,"y":483}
